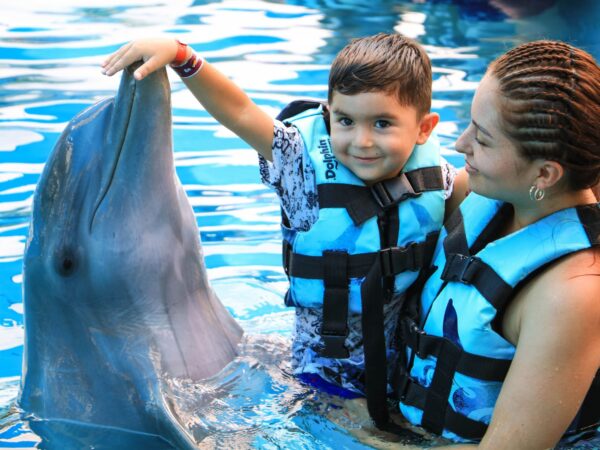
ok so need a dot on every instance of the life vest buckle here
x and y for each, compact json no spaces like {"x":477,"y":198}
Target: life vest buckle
{"x":395,"y":260}
{"x":387,"y":264}
{"x":460,"y":268}
{"x":390,"y":192}
{"x":334,"y":346}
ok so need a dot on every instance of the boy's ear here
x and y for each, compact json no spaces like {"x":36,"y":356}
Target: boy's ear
{"x":426,"y":126}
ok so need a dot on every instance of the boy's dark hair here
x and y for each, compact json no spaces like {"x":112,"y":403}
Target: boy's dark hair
{"x":389,"y":63}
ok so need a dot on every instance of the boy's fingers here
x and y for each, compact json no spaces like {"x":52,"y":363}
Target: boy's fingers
{"x":114,"y":62}
{"x":116,"y":55}
{"x":147,"y":68}
{"x":121,"y":61}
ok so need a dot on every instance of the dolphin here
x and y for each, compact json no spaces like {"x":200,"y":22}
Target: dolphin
{"x":116,"y":295}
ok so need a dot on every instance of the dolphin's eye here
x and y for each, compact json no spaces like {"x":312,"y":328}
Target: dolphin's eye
{"x":65,"y":263}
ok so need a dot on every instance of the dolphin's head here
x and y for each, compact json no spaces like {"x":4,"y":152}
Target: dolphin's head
{"x":115,"y":288}
{"x":113,"y":264}
{"x":100,"y":183}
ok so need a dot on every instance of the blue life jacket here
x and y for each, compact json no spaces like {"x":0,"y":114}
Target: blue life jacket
{"x":329,"y":262}
{"x":457,"y":360}
{"x":368,"y":242}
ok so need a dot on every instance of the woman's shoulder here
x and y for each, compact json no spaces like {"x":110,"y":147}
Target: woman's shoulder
{"x":567,"y":292}
{"x":578,"y":267}
{"x":571,"y":285}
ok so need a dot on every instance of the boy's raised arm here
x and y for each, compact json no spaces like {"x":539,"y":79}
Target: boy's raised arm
{"x":220,"y":96}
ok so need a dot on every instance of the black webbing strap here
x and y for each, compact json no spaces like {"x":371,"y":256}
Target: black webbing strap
{"x":373,"y":298}
{"x":313,"y":267}
{"x":388,"y":223}
{"x":362,"y":202}
{"x":456,"y":240}
{"x":426,"y":179}
{"x":589,"y":413}
{"x":415,"y":256}
{"x":393,"y":260}
{"x":374,"y":347}
{"x":335,"y":304}
{"x":296,"y":107}
{"x":470,"y":364}
{"x":415,"y":395}
{"x":472,"y":270}
{"x":436,"y":400}
{"x":589,"y":216}
{"x":464,"y":268}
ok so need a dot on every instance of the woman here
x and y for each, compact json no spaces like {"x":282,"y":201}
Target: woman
{"x":508,"y":328}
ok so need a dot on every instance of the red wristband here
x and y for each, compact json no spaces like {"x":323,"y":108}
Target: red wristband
{"x":180,"y":57}
{"x":190,"y":68}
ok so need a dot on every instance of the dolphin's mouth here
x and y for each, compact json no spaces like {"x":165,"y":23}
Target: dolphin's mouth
{"x":122,"y":101}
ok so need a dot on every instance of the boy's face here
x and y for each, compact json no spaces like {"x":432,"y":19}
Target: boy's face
{"x":373,"y":135}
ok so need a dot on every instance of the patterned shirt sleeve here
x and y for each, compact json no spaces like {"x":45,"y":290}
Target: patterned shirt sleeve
{"x":292,"y":176}
{"x":448,"y":175}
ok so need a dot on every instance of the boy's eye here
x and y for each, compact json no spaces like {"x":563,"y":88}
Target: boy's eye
{"x":479,"y":141}
{"x":344,"y":121}
{"x":382,"y":123}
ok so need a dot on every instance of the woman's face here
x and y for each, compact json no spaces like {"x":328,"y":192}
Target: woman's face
{"x":492,"y":161}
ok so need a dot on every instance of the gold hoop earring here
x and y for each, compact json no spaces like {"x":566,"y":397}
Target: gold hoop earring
{"x":536,"y":194}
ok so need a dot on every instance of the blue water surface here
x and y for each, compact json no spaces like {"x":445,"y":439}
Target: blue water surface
{"x":277,"y":51}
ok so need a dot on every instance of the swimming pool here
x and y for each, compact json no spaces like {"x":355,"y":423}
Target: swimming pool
{"x":277,"y":51}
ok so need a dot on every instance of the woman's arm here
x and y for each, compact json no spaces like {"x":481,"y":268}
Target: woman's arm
{"x":555,"y":322}
{"x":221,"y":97}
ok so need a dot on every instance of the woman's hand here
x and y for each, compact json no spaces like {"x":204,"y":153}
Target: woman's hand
{"x":156,"y":53}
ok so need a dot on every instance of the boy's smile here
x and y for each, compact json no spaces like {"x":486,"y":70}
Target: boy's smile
{"x":373,"y":135}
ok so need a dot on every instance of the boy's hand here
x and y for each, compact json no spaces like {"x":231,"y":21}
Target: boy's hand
{"x":155,"y":53}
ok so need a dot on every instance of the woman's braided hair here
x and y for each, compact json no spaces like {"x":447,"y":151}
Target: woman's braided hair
{"x":551,"y":106}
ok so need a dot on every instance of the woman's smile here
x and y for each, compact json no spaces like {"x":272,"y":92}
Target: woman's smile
{"x":469,"y":168}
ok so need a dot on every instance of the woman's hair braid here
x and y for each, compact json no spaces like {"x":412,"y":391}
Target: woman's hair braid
{"x":551,"y":106}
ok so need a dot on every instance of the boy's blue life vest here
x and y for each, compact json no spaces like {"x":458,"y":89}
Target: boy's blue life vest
{"x":457,"y":360}
{"x":368,"y":243}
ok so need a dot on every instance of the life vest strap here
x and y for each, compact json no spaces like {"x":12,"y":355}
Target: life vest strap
{"x":589,"y":215}
{"x":335,"y":304}
{"x":472,"y":270}
{"x":436,"y":400}
{"x":296,"y":107}
{"x":469,"y":364}
{"x":589,"y":413}
{"x":362,"y":202}
{"x":394,"y":260}
{"x":413,"y":394}
{"x":374,"y":346}
{"x":388,"y":193}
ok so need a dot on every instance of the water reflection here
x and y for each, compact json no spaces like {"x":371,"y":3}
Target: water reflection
{"x":277,"y":51}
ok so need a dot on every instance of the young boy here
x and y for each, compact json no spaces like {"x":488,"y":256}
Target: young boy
{"x":362,"y":189}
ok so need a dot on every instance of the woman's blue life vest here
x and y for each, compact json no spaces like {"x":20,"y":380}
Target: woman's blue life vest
{"x":394,"y":223}
{"x":456,"y":359}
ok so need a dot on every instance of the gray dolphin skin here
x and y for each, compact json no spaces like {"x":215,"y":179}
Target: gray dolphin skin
{"x":116,"y":295}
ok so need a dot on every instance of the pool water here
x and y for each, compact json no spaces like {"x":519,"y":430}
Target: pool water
{"x":277,"y":51}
